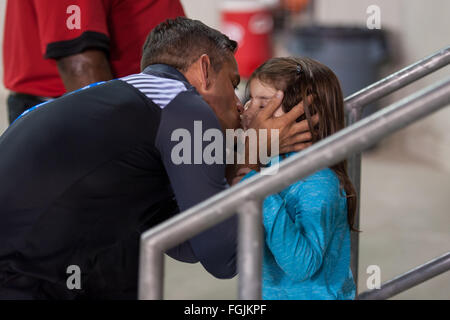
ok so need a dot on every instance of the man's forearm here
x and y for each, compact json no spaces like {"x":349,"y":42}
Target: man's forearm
{"x":84,"y":68}
{"x":252,"y":160}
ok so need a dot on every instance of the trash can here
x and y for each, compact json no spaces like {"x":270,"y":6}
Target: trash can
{"x":353,"y":53}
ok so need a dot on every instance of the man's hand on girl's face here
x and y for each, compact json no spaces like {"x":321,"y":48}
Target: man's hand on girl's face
{"x":293,"y":136}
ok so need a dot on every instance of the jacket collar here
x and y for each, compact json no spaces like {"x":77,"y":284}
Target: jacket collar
{"x":165,"y":71}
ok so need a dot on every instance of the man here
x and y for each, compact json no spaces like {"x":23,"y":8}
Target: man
{"x":51,"y":47}
{"x":85,"y":174}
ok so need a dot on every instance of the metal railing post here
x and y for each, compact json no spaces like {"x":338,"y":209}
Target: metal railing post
{"x":410,"y":279}
{"x":151,"y":284}
{"x":250,"y":246}
{"x":354,"y":172}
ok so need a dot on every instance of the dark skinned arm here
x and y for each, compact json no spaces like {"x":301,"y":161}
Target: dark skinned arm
{"x":84,"y":68}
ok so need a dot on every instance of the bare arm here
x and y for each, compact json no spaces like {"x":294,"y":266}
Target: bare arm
{"x":84,"y":68}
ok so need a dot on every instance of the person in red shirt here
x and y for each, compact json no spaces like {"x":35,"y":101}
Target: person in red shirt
{"x":52,"y":47}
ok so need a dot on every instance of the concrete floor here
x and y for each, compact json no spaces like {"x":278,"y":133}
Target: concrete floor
{"x":405,"y":222}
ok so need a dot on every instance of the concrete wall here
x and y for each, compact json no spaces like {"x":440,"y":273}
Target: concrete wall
{"x":205,"y":10}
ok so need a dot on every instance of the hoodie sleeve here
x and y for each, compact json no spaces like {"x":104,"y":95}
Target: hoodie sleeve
{"x":184,"y":120}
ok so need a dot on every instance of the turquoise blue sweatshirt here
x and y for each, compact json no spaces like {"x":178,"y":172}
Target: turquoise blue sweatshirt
{"x":307,"y":241}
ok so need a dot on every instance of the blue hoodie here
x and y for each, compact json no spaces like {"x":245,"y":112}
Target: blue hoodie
{"x":307,"y":241}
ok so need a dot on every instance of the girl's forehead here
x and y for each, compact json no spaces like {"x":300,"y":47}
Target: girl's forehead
{"x":257,"y":87}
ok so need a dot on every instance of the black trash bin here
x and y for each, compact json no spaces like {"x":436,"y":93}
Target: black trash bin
{"x":353,"y":53}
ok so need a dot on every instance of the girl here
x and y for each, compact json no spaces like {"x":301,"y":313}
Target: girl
{"x":307,"y":225}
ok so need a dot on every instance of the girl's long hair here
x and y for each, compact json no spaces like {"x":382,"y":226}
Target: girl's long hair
{"x":299,"y":78}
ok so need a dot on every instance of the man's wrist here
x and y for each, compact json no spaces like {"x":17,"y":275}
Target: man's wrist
{"x":248,"y":151}
{"x":255,"y":167}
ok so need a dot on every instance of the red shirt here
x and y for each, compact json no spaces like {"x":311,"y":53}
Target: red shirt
{"x":39,"y":31}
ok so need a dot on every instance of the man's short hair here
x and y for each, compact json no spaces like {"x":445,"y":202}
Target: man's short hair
{"x":180,"y":42}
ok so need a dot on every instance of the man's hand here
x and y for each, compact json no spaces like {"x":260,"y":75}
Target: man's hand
{"x":293,"y":136}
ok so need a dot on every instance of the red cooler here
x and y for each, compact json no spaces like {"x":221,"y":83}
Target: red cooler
{"x":250,"y":23}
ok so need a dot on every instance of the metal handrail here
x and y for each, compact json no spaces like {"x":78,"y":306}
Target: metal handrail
{"x":245,"y":197}
{"x":398,"y":80}
{"x":354,"y":106}
{"x":409,"y":279}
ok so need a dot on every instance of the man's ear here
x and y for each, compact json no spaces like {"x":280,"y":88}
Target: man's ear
{"x":206,"y":72}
